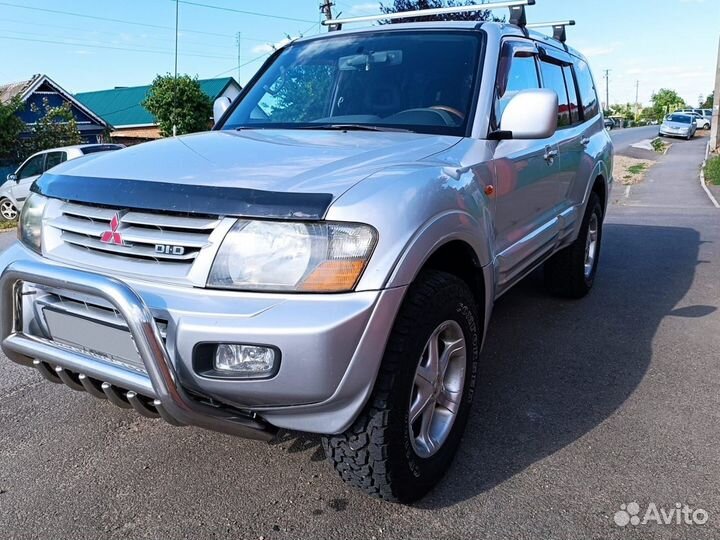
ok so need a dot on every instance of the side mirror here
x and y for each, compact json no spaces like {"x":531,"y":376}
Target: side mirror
{"x":12,"y":177}
{"x":221,"y":105}
{"x":530,"y":114}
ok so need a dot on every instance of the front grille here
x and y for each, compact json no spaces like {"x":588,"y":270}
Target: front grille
{"x":169,"y":248}
{"x":154,"y":237}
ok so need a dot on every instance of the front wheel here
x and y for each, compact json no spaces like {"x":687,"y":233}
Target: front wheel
{"x":8,"y":210}
{"x":405,"y":439}
{"x":571,"y":271}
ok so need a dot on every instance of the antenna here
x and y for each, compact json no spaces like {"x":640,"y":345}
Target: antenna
{"x":557,"y":26}
{"x":517,"y":13}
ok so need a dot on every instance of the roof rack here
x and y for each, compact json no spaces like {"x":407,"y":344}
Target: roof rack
{"x":557,"y":26}
{"x":517,"y":13}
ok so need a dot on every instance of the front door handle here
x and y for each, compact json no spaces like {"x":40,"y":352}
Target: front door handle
{"x":550,"y":155}
{"x":585,"y":141}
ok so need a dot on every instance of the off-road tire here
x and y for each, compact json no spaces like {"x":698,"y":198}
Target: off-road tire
{"x":376,"y":454}
{"x":565,"y":271}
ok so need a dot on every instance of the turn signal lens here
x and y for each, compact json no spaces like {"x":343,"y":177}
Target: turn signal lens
{"x":332,"y":276}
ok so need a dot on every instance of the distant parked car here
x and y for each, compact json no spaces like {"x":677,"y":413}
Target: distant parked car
{"x":17,"y":186}
{"x":703,"y":117}
{"x":678,"y":125}
{"x":609,"y":123}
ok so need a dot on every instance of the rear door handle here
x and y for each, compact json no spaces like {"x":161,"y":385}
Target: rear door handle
{"x":585,"y":141}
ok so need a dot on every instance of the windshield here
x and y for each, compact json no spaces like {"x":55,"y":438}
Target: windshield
{"x":681,"y":118}
{"x":416,"y":81}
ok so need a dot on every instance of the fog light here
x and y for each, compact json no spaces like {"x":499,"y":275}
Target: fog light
{"x":248,"y":361}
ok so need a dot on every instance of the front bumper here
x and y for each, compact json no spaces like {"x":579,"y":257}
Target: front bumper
{"x":673,"y":132}
{"x":330,"y":345}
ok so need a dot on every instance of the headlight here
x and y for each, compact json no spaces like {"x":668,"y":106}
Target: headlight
{"x":30,"y":222}
{"x":293,"y":256}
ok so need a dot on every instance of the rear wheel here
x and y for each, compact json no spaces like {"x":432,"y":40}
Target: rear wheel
{"x":405,"y":439}
{"x":8,"y":210}
{"x":571,"y":271}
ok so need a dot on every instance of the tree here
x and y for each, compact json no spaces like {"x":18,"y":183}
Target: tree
{"x":178,"y":102}
{"x":10,"y":129}
{"x":413,"y":5}
{"x":708,"y":103}
{"x":55,"y":126}
{"x":665,"y":101}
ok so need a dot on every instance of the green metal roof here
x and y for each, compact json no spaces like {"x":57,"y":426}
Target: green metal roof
{"x":122,"y":106}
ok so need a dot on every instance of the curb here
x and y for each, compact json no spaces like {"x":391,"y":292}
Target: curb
{"x":702,"y":178}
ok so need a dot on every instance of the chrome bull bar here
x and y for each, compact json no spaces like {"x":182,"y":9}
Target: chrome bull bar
{"x":162,"y":383}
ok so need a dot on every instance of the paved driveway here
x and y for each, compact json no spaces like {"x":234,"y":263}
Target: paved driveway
{"x":581,"y":406}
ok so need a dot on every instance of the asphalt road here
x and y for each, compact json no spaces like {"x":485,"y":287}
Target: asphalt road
{"x":581,"y":406}
{"x":622,"y":138}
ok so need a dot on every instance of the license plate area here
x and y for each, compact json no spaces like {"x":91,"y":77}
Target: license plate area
{"x":80,"y":323}
{"x":109,"y":343}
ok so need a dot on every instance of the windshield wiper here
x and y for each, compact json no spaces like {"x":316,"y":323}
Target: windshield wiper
{"x":352,"y":127}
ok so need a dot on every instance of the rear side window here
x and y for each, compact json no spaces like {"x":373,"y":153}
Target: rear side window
{"x":54,"y":158}
{"x":100,"y":148}
{"x":553,"y":79}
{"x":517,"y":71}
{"x":588,"y":95}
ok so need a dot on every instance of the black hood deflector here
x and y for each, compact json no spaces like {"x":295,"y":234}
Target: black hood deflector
{"x":182,"y":198}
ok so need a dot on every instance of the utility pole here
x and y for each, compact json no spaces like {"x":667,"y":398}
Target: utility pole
{"x":326,"y":9}
{"x":714,"y":139}
{"x":637,"y":101}
{"x":238,"y":38}
{"x":607,"y":89}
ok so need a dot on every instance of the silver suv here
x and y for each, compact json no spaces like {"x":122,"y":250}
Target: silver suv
{"x":326,"y":259}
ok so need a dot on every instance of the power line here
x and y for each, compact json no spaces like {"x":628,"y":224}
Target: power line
{"x":242,"y":65}
{"x":98,"y":18}
{"x":92,"y":43}
{"x":259,"y":57}
{"x":244,"y":12}
{"x":80,"y":44}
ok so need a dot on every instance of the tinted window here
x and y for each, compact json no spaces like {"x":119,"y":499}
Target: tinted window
{"x":572,"y":93}
{"x":34,"y":167}
{"x":101,"y":148}
{"x":588,"y":95}
{"x":681,"y":118}
{"x":54,"y":158}
{"x":420,"y":81}
{"x":553,"y":79}
{"x":517,"y":71}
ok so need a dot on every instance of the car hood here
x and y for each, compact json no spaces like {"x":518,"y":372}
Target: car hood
{"x":267,"y":160}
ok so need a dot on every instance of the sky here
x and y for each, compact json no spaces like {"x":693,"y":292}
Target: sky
{"x":97,"y":44}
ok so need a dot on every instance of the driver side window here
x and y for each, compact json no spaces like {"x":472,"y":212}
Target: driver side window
{"x":33,"y":167}
{"x":517,"y":71}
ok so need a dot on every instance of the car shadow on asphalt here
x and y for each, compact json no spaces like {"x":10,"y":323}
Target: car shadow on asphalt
{"x":553,"y":369}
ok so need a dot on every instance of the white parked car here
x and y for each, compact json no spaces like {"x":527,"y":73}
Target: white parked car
{"x":17,"y":185}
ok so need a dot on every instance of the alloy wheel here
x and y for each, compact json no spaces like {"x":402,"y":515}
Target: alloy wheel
{"x":438,"y":388}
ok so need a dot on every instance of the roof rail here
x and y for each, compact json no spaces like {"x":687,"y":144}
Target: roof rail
{"x":517,"y":13}
{"x":557,"y":26}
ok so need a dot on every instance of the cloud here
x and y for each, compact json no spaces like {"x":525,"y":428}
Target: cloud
{"x":365,"y":9}
{"x":599,"y":50}
{"x":262,"y":48}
